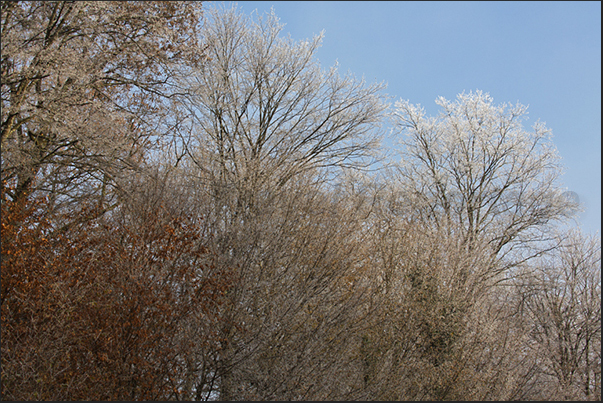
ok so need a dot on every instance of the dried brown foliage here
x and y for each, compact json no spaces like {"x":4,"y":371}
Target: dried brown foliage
{"x":107,"y":310}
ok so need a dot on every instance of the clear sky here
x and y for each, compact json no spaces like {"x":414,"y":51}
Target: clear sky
{"x":544,"y":54}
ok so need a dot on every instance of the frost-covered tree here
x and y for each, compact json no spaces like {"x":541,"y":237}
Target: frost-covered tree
{"x":474,"y":194}
{"x":561,"y":311}
{"x":264,"y":110}
{"x":85,"y":88}
{"x":476,"y":171}
{"x":268,"y":125}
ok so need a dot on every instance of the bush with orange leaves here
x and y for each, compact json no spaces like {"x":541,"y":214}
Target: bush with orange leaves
{"x":117,"y":308}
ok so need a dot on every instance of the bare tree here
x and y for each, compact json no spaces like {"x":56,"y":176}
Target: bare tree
{"x":561,"y":304}
{"x":473,"y":196}
{"x":427,"y":330}
{"x":85,"y":88}
{"x":299,"y":292}
{"x":109,"y":307}
{"x":475,"y":169}
{"x":264,"y":110}
{"x":268,"y":125}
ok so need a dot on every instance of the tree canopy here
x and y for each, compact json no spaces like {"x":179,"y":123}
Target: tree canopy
{"x":191,"y":210}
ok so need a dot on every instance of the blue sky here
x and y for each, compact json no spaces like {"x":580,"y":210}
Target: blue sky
{"x":544,"y":54}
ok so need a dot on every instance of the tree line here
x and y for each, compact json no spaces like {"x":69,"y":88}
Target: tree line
{"x":194,"y":209}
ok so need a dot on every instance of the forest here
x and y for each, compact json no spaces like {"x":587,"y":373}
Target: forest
{"x":193,"y":208}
